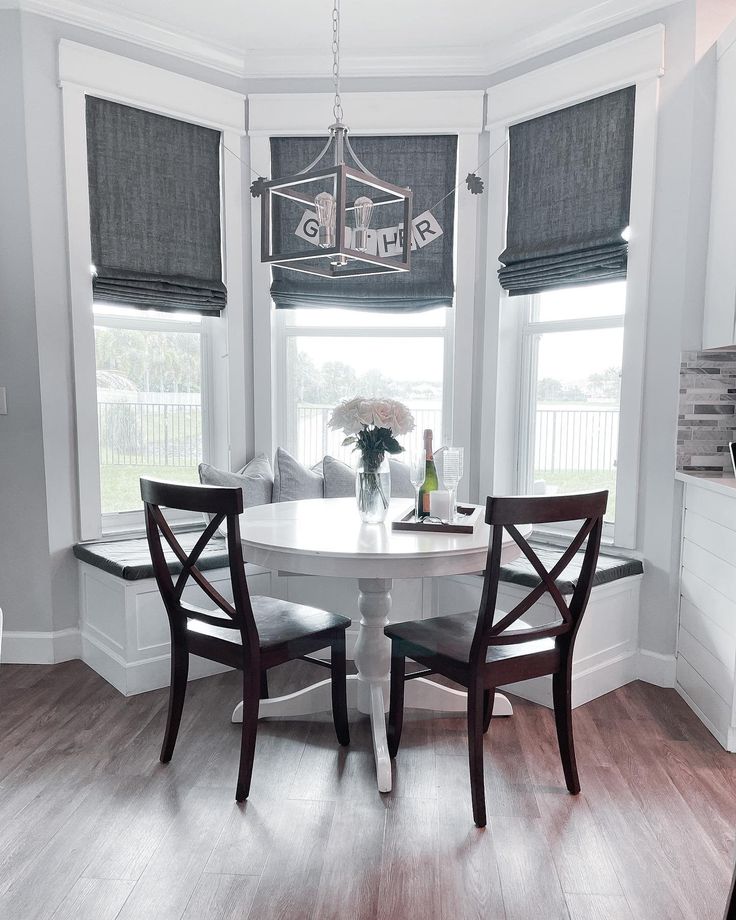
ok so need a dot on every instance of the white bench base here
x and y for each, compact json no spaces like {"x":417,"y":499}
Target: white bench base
{"x":125,"y":634}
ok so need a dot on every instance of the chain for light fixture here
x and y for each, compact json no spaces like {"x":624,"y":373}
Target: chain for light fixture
{"x":337,"y":105}
{"x":339,"y":201}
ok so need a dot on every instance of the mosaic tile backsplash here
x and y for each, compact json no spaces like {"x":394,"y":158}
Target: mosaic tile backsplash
{"x":706,"y":422}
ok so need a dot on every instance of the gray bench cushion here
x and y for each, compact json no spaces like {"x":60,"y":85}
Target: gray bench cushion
{"x":131,"y":560}
{"x":610,"y":568}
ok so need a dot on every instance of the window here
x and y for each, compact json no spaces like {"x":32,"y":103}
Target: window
{"x":326,"y":355}
{"x":572,"y":348}
{"x":151,"y":403}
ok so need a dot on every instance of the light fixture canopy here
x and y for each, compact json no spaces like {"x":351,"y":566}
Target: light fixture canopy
{"x":331,"y":206}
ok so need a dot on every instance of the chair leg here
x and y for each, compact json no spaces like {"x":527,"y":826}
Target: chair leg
{"x":562,"y":699}
{"x":248,"y":737}
{"x":339,"y":691}
{"x":264,"y":685}
{"x":475,"y":752}
{"x":489,"y":697}
{"x":396,"y":707}
{"x":177,"y":692}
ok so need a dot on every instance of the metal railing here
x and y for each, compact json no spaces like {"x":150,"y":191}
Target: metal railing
{"x":169,"y":434}
{"x":165,"y":434}
{"x":578,"y":439}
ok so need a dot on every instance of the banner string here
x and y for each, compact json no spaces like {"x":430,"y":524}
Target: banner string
{"x":436,"y":204}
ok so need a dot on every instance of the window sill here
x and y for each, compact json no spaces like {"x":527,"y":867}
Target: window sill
{"x":562,"y":538}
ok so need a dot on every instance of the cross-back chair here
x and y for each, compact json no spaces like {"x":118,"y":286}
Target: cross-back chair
{"x":251,"y":634}
{"x":487,"y":649}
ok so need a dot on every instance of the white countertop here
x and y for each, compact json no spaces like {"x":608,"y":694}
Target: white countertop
{"x":713,"y":482}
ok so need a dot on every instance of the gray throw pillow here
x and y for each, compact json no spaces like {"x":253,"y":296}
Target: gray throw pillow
{"x":255,"y":480}
{"x":292,"y":481}
{"x":401,"y":486}
{"x":340,"y":479}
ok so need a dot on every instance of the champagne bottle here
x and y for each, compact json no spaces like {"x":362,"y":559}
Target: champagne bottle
{"x":431,"y":483}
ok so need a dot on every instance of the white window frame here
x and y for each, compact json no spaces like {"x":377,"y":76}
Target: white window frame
{"x":127,"y":521}
{"x":530,"y":329}
{"x":285,"y":330}
{"x":636,"y":59}
{"x":88,"y":71}
{"x":387,"y":113}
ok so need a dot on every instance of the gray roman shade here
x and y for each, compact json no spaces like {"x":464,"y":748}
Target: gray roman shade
{"x":427,"y":165}
{"x":569,"y":191}
{"x":154,"y":196}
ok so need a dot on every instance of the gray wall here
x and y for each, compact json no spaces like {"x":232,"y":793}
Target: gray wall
{"x":25,"y":569}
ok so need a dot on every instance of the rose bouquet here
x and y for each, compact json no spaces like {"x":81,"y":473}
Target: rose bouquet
{"x":372,"y":425}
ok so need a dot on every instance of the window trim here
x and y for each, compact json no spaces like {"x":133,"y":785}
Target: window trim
{"x":425,"y":112}
{"x":84,"y":70}
{"x":636,"y":59}
{"x":283,"y":331}
{"x":525,"y":439}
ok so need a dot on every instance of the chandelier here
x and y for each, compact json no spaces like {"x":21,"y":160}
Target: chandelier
{"x":318,"y":221}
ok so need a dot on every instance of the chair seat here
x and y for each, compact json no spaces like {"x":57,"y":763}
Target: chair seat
{"x":279,"y":622}
{"x":451,"y":637}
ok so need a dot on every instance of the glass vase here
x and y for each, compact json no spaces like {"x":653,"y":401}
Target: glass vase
{"x":373,"y":487}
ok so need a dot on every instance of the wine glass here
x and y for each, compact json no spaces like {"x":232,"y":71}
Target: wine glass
{"x":417,"y":472}
{"x":452,"y":473}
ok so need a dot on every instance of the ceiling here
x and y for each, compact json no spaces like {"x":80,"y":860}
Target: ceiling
{"x":292,"y":37}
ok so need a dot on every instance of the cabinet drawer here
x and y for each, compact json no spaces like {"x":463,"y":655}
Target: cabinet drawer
{"x":713,"y":570}
{"x":700,"y":626}
{"x":713,"y":506}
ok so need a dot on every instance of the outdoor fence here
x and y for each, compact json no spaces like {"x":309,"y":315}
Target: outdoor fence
{"x":167,"y":431}
{"x":161,"y":433}
{"x":578,"y":439}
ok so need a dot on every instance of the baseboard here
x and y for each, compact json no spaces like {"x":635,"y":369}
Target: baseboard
{"x":655,"y":668}
{"x":592,"y":677}
{"x":133,"y":677}
{"x":27,"y":647}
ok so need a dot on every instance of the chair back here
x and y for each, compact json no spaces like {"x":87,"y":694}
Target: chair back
{"x":511,"y":513}
{"x":224,"y":504}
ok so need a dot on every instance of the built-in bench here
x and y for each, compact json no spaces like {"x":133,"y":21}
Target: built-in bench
{"x":125,"y":634}
{"x":130,"y":560}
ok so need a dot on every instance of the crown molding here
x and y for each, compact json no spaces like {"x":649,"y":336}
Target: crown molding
{"x":600,"y":16}
{"x":622,"y":62}
{"x":466,"y":61}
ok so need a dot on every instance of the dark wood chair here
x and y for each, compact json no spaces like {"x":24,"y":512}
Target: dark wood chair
{"x":251,"y":634}
{"x":481,"y":652}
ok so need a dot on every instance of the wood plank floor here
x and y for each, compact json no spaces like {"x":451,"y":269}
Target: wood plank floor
{"x":92,"y":827}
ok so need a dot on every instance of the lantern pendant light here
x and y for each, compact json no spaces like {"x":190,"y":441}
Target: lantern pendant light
{"x":319,"y":220}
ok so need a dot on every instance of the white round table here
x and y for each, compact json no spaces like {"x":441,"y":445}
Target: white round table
{"x":327,"y":537}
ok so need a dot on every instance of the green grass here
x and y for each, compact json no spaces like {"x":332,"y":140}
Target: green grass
{"x":120,"y":488}
{"x":584,"y":482}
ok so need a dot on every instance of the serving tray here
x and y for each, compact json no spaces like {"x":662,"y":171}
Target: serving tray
{"x":471,"y":513}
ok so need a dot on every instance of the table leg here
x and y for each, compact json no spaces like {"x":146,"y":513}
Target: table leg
{"x":373,"y":661}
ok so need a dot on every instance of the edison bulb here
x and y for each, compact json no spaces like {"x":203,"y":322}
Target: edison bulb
{"x":325,"y":204}
{"x":363,"y":210}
